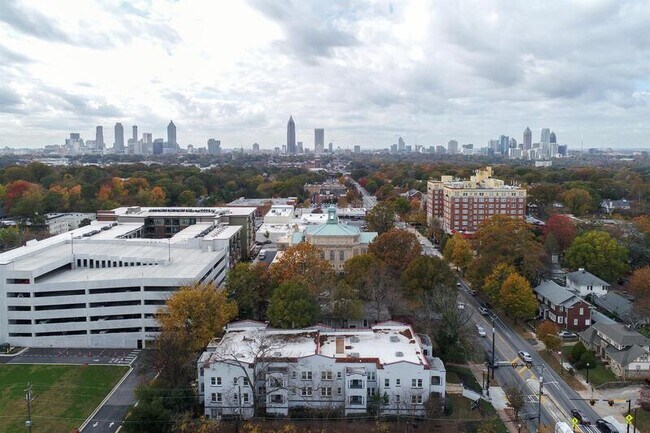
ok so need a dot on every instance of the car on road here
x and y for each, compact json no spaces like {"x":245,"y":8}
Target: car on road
{"x":525,"y":356}
{"x":481,"y":331}
{"x":606,"y":427}
{"x":461,"y":305}
{"x":581,"y":417}
{"x":458,"y":284}
{"x":262,"y":255}
{"x":484,"y":311}
{"x":566,"y":334}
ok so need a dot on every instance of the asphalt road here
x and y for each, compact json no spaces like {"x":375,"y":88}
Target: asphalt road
{"x":558,"y":399}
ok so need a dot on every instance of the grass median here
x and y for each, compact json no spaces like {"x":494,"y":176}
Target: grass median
{"x":62,"y":395}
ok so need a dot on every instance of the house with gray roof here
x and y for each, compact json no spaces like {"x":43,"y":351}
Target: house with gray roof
{"x":562,"y":306}
{"x":624,"y":350}
{"x":585,"y":283}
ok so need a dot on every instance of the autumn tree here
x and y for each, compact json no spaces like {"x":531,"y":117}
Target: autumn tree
{"x":578,"y":200}
{"x":381,"y":218}
{"x":517,"y":297}
{"x":516,"y":399}
{"x":199,"y":311}
{"x":250,"y":286}
{"x":304,"y":263}
{"x":639,"y":285}
{"x":599,"y":253}
{"x":458,"y":251}
{"x":427,"y":276}
{"x":503,"y":239}
{"x":187,"y":198}
{"x":374,"y":283}
{"x":547,"y":332}
{"x":292,"y":305}
{"x":562,"y":229}
{"x":493,"y":282}
{"x":396,"y":248}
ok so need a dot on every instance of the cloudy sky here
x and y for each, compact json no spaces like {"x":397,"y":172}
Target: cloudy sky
{"x":366,"y":71}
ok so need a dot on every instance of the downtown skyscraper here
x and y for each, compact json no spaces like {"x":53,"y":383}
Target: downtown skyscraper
{"x":291,"y":136}
{"x":171,"y":135}
{"x":119,"y":138}
{"x":319,"y":140}
{"x":528,"y":139}
{"x":99,"y":137}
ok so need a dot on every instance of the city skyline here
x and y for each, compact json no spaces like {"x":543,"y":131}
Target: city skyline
{"x":368,"y":73}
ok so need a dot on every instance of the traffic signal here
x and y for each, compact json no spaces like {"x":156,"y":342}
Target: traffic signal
{"x":610,"y":402}
{"x":592,"y":402}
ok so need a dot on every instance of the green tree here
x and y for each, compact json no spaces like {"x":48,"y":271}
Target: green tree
{"x":577,"y":351}
{"x":187,"y":198}
{"x":578,"y":200}
{"x":381,"y":218}
{"x":458,"y":251}
{"x":292,"y":306}
{"x":599,"y":253}
{"x":250,"y":286}
{"x":427,"y":275}
{"x":345,"y":303}
{"x":517,"y":297}
{"x":493,"y":282}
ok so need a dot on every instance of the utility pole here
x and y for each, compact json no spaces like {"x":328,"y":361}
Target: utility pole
{"x":539,"y":407}
{"x":629,"y":412}
{"x":28,"y":397}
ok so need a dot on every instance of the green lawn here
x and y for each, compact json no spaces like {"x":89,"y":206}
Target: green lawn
{"x":597,"y":375}
{"x":642,"y":420}
{"x":63,"y":395}
{"x":458,"y":374}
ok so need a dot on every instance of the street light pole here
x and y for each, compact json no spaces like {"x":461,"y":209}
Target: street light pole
{"x":493,"y":350}
{"x":539,"y":406}
{"x":587,"y":372}
{"x":559,"y":352}
{"x":629,"y":412}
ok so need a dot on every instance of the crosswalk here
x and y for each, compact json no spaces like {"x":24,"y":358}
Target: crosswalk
{"x":128,"y":359}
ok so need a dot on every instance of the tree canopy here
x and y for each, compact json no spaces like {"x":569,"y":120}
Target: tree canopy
{"x":381,"y":218}
{"x":396,"y":248}
{"x":304,"y":263}
{"x":517,"y":298}
{"x":292,"y":305}
{"x":458,"y":251}
{"x":599,"y":253}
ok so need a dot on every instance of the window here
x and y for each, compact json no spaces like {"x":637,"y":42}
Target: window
{"x":416,"y":399}
{"x":386,"y":383}
{"x":356,"y":400}
{"x":339,"y":390}
{"x":435,"y":380}
{"x":306,"y":391}
{"x":326,"y":392}
{"x":397,"y":399}
{"x":245,"y":397}
{"x":371,"y":375}
{"x":416,"y":383}
{"x":339,"y":375}
{"x":575,"y":322}
{"x":213,"y":381}
{"x":332,"y":255}
{"x":276,"y":382}
{"x":398,"y":382}
{"x":341,"y":255}
{"x":235,"y":398}
{"x":326,"y":375}
{"x":245,"y":381}
{"x":219,"y":397}
{"x":306,"y":375}
{"x":213,"y":397}
{"x":582,"y":311}
{"x":277,"y":398}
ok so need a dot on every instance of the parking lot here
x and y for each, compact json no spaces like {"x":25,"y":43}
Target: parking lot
{"x":74,"y":356}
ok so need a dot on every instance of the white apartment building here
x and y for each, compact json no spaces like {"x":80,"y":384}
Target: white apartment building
{"x":257,"y":368}
{"x":100,"y":285}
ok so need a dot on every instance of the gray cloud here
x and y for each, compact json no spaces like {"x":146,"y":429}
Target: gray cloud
{"x":30,"y":22}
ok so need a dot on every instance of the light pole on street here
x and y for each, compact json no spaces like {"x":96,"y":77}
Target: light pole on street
{"x":539,"y":406}
{"x":587,"y":372}
{"x":559,"y":352}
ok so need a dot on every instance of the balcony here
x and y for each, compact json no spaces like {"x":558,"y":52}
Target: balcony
{"x":356,"y":384}
{"x":355,"y":400}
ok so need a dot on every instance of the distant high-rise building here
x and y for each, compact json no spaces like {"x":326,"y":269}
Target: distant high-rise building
{"x":291,"y":136}
{"x":99,"y":137}
{"x":401,"y":145}
{"x":299,"y":147}
{"x":331,"y":147}
{"x":147,"y":142}
{"x":119,"y":138}
{"x":528,"y":139}
{"x":441,"y":149}
{"x":452,"y":147}
{"x":513,"y":143}
{"x":546,"y":136}
{"x":158,"y":145}
{"x":256,"y":148}
{"x":504,"y":144}
{"x":171,"y":134}
{"x":319,"y":140}
{"x":357,"y":149}
{"x":135,"y":133}
{"x":562,"y":150}
{"x":553,"y":137}
{"x":214,"y":146}
{"x":284,"y":148}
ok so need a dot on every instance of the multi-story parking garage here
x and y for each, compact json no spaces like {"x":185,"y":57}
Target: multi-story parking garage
{"x":101,"y":285}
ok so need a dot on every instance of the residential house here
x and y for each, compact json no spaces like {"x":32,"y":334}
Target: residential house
{"x":585,"y":283}
{"x":562,"y":306}
{"x":611,"y":205}
{"x":621,"y":305}
{"x":254,"y":369}
{"x":624,"y":349}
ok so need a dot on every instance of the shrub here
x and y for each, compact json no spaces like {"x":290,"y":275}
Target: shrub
{"x":588,"y":357}
{"x":577,"y":351}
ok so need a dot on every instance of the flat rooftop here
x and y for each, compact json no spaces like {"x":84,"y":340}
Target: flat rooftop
{"x":141,"y":211}
{"x":386,"y":343}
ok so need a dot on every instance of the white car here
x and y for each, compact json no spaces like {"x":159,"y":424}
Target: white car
{"x":461,"y":305}
{"x":567,"y":334}
{"x":525,"y":356}
{"x":481,"y":331}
